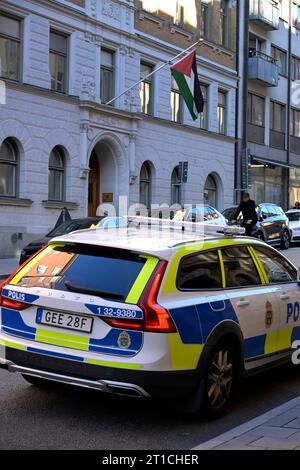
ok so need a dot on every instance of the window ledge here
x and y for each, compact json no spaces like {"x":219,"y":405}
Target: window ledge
{"x":15,"y":201}
{"x":151,"y":17}
{"x":60,"y":205}
{"x":174,"y":28}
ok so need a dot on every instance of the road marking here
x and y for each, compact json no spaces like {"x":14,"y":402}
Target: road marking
{"x":248,"y":426}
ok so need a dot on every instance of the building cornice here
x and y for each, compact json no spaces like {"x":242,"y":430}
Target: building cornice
{"x":192,"y":129}
{"x":36,"y":90}
{"x":109,"y":111}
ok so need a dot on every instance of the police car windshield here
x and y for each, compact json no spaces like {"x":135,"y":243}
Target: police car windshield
{"x":105,"y":272}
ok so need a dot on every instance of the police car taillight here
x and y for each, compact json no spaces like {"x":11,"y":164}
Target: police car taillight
{"x":10,"y":303}
{"x":157,"y":318}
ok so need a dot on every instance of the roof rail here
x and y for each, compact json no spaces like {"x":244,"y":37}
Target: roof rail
{"x":184,"y":226}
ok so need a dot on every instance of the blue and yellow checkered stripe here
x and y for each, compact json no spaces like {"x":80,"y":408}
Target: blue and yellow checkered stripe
{"x":13,"y":324}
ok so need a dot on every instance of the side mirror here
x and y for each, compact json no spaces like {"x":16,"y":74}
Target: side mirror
{"x":298,"y":276}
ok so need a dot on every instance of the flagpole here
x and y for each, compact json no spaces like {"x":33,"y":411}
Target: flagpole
{"x":169,"y":62}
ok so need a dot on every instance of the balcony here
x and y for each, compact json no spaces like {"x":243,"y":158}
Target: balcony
{"x":263,"y":69}
{"x":265,"y":13}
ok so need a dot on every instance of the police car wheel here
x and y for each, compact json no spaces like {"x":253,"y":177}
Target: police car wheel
{"x":214,"y":391}
{"x":219,"y":381}
{"x":37,"y":381}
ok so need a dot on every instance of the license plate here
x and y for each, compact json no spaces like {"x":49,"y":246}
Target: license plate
{"x":66,"y":321}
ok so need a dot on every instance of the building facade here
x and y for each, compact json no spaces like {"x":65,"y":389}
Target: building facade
{"x":270,"y":138}
{"x":62,"y":146}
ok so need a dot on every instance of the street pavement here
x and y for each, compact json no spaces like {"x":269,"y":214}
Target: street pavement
{"x":61,"y":417}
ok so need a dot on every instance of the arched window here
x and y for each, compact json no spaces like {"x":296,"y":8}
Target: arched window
{"x":56,"y":178}
{"x":210,"y":191}
{"x":9,"y":162}
{"x":145,"y":185}
{"x":175,"y":187}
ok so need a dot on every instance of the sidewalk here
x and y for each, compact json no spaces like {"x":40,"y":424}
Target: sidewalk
{"x":277,"y":429}
{"x":7,"y":266}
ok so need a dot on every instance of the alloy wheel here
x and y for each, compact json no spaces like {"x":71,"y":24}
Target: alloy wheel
{"x":220,"y":379}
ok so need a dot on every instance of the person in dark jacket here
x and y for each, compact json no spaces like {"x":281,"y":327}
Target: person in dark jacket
{"x":248,"y":208}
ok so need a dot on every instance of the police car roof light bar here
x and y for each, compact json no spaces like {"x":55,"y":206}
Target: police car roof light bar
{"x":186,"y":226}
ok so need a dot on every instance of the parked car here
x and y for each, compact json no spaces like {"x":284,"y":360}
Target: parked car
{"x":63,"y":229}
{"x":272,"y":225}
{"x":113,"y":222}
{"x":294,"y":224}
{"x":201,"y":214}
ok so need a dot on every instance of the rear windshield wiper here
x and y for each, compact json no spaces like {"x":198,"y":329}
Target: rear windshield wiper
{"x":85,"y":290}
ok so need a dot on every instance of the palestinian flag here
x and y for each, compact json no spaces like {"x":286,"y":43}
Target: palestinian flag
{"x":186,"y":76}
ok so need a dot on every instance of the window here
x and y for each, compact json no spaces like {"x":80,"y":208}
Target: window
{"x":56,"y":175}
{"x":295,"y":123}
{"x":296,"y":14}
{"x":281,"y":57}
{"x":176,"y":102}
{"x":277,"y":268}
{"x":201,"y":271}
{"x":107,"y":75}
{"x":175,"y":187}
{"x":240,"y":270}
{"x":295,"y":68}
{"x":151,"y":6}
{"x":179,"y":16}
{"x":146,"y":89}
{"x":277,"y":117}
{"x":256,"y":110}
{"x":204,"y":114}
{"x":224,"y":24}
{"x":10,"y":34}
{"x":9,"y":161}
{"x":145,"y":185}
{"x":204,"y":20}
{"x":210,"y":191}
{"x":222,"y":99}
{"x":58,"y":61}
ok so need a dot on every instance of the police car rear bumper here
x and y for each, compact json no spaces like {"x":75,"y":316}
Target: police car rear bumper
{"x":108,"y":379}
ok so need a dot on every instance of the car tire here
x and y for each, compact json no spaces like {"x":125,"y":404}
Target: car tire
{"x":260,"y":236}
{"x":285,"y":240}
{"x":37,"y":381}
{"x":214,"y":392}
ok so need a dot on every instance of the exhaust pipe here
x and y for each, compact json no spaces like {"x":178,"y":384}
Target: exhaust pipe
{"x":125,"y":391}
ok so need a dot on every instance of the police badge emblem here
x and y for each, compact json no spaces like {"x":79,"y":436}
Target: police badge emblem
{"x":269,"y":314}
{"x":124,"y":340}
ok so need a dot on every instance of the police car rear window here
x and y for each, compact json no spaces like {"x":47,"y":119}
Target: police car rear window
{"x":104,"y":272}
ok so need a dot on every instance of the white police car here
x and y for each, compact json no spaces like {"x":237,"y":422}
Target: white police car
{"x":144,"y":313}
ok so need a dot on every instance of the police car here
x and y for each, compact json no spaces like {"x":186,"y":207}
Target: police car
{"x":144,"y":312}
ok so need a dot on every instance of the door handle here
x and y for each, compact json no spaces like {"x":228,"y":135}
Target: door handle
{"x":284,"y":296}
{"x":243,"y":303}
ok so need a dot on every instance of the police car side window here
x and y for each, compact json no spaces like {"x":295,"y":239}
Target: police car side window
{"x":277,"y":268}
{"x":200,"y":271}
{"x":240,"y":270}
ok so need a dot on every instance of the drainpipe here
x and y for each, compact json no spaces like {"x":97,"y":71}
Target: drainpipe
{"x":289,"y":105}
{"x":242,"y":95}
{"x":245,"y":75}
